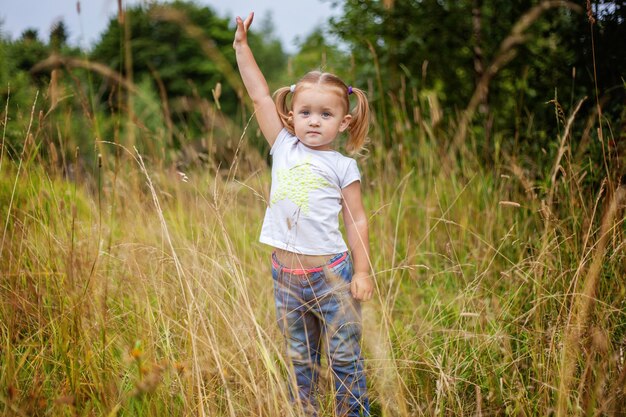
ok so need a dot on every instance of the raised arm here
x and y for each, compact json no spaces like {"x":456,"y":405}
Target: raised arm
{"x":253,"y":79}
{"x":357,"y":231}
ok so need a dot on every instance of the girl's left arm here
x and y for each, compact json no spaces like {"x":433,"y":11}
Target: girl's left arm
{"x":355,"y":220}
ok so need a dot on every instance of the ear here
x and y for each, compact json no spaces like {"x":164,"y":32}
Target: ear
{"x":290,"y":119}
{"x":345,"y":122}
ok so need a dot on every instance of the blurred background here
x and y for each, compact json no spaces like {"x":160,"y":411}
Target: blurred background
{"x":512,"y":72}
{"x":86,"y":20}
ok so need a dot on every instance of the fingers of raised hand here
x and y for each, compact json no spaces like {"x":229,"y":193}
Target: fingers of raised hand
{"x":240,"y":34}
{"x":242,"y":29}
{"x":248,"y":21}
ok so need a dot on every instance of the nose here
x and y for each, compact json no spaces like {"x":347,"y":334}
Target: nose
{"x":314,"y":121}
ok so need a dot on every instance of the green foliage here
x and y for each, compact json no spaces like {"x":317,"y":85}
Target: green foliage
{"x":23,"y":91}
{"x":161,"y":43}
{"x":317,"y":53}
{"x":28,"y":51}
{"x":404,"y":37}
{"x":58,"y":36}
{"x":180,"y":53}
{"x":445,"y":46}
{"x":163,"y":46}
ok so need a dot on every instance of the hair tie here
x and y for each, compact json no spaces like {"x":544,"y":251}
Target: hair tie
{"x":349,"y":90}
{"x":292,"y":88}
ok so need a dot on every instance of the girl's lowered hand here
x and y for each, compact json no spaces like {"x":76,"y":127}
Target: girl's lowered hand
{"x":362,"y":286}
{"x":241,"y":35}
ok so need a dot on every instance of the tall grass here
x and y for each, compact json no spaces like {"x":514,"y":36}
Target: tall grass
{"x":130,"y":288}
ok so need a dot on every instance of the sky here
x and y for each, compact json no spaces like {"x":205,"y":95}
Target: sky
{"x":292,"y":18}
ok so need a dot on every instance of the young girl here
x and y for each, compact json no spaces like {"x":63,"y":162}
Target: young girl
{"x":318,"y":284}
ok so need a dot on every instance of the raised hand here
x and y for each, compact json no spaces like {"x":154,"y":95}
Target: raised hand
{"x":255,"y":83}
{"x":241,"y":35}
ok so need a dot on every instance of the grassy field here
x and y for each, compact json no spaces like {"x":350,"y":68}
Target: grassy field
{"x":129,"y":288}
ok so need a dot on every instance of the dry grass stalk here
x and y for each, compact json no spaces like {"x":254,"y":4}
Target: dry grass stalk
{"x":583,"y":307}
{"x":388,"y":4}
{"x":19,"y":169}
{"x":4,"y":127}
{"x":562,"y":148}
{"x":55,"y":61}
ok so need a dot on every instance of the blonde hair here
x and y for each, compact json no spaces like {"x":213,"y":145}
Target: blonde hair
{"x":359,"y":124}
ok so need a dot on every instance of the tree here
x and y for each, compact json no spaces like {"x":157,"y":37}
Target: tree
{"x":171,"y":43}
{"x":433,"y":45}
{"x":27,"y":51}
{"x":317,"y":53}
{"x":58,"y":36}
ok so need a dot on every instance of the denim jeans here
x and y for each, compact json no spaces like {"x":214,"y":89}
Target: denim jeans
{"x":315,"y":312}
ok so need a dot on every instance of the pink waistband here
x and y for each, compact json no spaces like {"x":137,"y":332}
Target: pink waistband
{"x":307,"y":270}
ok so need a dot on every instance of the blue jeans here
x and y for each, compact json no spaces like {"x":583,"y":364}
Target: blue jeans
{"x":315,"y":309}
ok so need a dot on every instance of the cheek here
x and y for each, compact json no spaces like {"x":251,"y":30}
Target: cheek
{"x":297,"y":126}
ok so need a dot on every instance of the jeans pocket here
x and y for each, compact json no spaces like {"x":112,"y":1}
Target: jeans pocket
{"x":344,"y":270}
{"x":278,"y":276}
{"x":340,"y":275}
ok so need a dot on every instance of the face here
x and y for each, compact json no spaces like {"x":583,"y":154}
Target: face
{"x":319,"y":115}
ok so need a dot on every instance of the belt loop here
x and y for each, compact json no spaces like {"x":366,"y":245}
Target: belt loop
{"x":277,"y":262}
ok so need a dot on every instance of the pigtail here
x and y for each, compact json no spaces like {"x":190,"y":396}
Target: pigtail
{"x":359,"y":125}
{"x":280,"y":99}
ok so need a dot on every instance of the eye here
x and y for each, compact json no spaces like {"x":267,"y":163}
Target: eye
{"x":304,"y":112}
{"x":326,"y":115}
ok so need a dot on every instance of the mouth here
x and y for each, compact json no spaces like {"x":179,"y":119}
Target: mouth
{"x":312,"y":132}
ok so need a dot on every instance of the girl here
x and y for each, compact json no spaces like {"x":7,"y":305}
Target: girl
{"x":317,"y":283}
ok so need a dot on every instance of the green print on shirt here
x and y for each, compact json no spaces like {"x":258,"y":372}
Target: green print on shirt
{"x":297,"y":182}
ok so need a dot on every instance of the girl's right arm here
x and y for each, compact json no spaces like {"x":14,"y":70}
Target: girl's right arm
{"x":254,"y":81}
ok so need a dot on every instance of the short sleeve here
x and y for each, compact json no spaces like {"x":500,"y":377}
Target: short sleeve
{"x":282,"y":137}
{"x":351,"y":175}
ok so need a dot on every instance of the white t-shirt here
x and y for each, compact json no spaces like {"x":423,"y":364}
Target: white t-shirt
{"x":305,"y":198}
